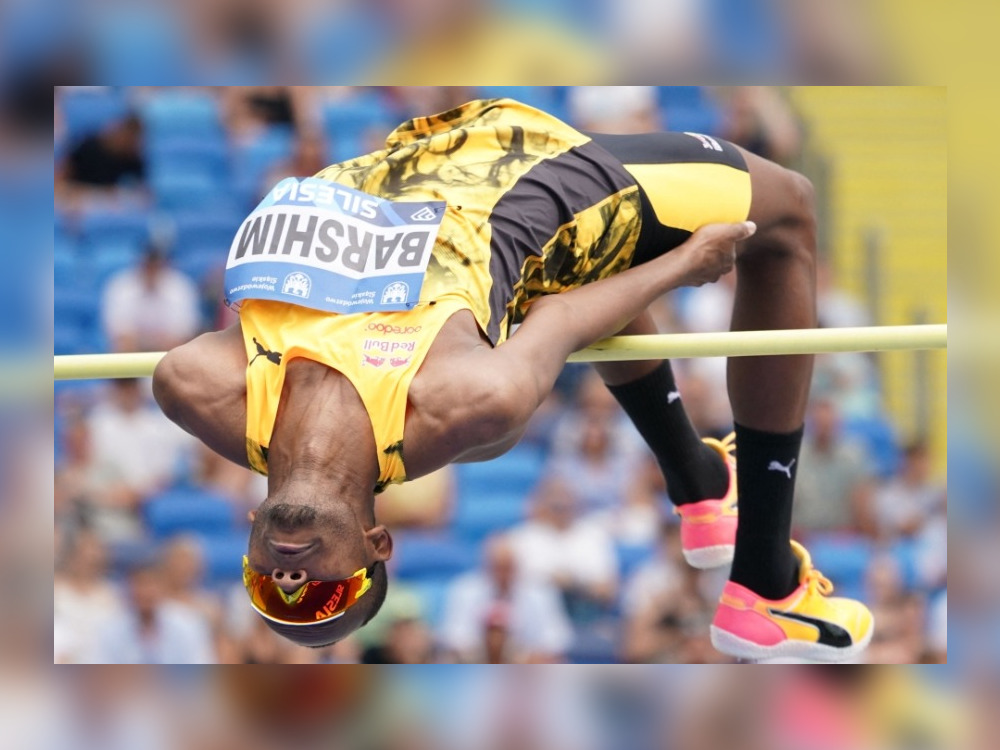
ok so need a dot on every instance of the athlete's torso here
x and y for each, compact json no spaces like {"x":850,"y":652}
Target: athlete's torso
{"x":534,"y":207}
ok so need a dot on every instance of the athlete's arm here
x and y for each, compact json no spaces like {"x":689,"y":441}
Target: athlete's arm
{"x":201,"y":386}
{"x":559,"y":324}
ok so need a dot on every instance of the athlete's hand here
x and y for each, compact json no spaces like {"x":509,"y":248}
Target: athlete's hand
{"x":710,"y":252}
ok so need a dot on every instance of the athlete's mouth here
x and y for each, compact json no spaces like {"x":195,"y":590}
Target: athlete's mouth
{"x":288,"y":549}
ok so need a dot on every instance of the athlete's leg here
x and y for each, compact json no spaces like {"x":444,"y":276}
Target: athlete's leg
{"x":775,"y":289}
{"x":649,"y":395}
{"x":201,"y":386}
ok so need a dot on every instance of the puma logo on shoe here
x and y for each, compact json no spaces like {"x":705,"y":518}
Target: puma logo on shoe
{"x":777,"y":466}
{"x":673,"y":396}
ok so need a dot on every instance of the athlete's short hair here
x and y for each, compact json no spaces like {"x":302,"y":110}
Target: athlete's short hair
{"x":327,"y":633}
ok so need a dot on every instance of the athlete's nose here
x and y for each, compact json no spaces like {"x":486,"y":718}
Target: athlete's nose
{"x":289,"y":581}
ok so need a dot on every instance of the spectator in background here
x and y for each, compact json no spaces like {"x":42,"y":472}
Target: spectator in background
{"x":635,"y":523}
{"x":244,"y":487}
{"x":150,"y":307}
{"x":536,"y":628}
{"x":399,"y":635}
{"x":133,"y":441}
{"x":153,"y":629}
{"x":907,"y":502}
{"x":834,"y":477}
{"x":183,"y":570}
{"x":82,"y":599}
{"x":250,"y":110}
{"x":663,"y":604}
{"x":936,"y":651}
{"x":308,"y":158}
{"x":594,"y":448}
{"x":760,"y":120}
{"x":90,"y":493}
{"x":615,"y":109}
{"x":574,"y":554}
{"x":899,"y":637}
{"x":426,"y":502}
{"x":102,"y":163}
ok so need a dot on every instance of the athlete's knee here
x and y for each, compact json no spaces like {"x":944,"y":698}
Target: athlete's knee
{"x":789,"y":234}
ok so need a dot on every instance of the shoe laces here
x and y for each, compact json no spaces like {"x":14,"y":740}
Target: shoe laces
{"x":727,"y":447}
{"x":816,"y":582}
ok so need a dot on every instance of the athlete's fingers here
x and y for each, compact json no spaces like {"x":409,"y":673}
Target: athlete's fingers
{"x":736,"y":232}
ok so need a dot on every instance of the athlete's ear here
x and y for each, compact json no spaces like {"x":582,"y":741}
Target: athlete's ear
{"x":251,"y":515}
{"x":381,"y":542}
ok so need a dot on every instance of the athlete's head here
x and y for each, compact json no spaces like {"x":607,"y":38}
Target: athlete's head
{"x":293,"y":543}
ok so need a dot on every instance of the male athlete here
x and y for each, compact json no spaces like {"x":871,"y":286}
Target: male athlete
{"x":377,"y":343}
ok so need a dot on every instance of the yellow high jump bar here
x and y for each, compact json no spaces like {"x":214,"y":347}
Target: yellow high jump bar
{"x":620,"y":348}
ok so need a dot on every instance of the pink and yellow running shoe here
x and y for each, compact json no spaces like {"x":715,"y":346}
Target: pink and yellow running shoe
{"x":807,"y":624}
{"x":708,"y":527}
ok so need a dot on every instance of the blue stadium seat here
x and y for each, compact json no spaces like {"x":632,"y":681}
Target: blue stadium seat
{"x":223,"y":554}
{"x":432,"y":554}
{"x":631,"y":556}
{"x":477,"y":518}
{"x":878,"y":437}
{"x":200,"y":267}
{"x":689,"y":109}
{"x":108,"y":261}
{"x":347,"y":122}
{"x":89,"y":109}
{"x":77,"y":307}
{"x":255,"y":159}
{"x":190,"y":509}
{"x":843,"y":558}
{"x":542,"y":97}
{"x":516,"y":471}
{"x":177,"y":190}
{"x":183,"y":114}
{"x":139,"y":43}
{"x":100,"y":227}
{"x":67,"y":337}
{"x":433,"y":593}
{"x":198,"y":232}
{"x":200,"y":155}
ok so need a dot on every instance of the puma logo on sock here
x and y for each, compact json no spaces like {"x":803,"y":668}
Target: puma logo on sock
{"x":673,"y":396}
{"x":777,"y":466}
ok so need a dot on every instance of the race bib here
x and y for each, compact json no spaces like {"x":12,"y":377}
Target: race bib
{"x":322,"y":245}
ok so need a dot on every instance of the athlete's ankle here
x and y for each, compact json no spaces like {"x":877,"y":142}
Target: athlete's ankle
{"x":705,"y":478}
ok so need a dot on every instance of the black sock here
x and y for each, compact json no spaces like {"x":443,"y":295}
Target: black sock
{"x":766,"y":463}
{"x":693,"y":470}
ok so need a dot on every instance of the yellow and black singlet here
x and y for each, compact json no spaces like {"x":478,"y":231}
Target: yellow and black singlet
{"x":534,"y":207}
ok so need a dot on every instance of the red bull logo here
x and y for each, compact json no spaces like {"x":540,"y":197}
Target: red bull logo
{"x":399,"y":361}
{"x":373,"y":361}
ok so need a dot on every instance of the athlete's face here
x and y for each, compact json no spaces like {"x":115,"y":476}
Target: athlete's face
{"x":298,"y":543}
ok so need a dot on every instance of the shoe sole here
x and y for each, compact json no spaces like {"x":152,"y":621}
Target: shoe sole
{"x":706,"y":558}
{"x":733,"y":645}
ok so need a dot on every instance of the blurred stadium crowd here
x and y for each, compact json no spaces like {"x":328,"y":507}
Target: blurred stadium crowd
{"x":561,"y":550}
{"x":446,"y":41}
{"x":447,"y":708}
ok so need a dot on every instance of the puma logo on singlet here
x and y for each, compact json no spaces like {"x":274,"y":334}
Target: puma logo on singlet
{"x":270,"y":356}
{"x":673,"y":396}
{"x":777,"y":466}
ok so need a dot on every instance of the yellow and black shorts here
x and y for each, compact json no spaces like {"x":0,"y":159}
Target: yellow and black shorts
{"x":686,"y":180}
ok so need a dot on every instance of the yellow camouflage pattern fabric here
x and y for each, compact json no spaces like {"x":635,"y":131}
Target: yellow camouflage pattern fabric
{"x":472,"y":157}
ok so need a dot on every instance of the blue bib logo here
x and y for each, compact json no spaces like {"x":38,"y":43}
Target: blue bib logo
{"x":297,"y":284}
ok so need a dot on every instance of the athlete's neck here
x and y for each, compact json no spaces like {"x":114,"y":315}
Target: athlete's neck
{"x":322,"y":438}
